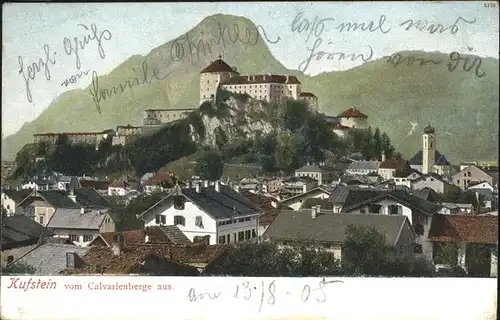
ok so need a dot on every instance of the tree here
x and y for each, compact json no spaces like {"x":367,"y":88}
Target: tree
{"x":364,"y":250}
{"x":18,"y":268}
{"x":209,"y":165}
{"x":377,"y":144}
{"x":387,"y":147}
{"x":267,"y":259}
{"x":367,"y":145}
{"x":286,"y":155}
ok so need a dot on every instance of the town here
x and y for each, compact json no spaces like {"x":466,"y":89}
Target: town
{"x":341,"y":198}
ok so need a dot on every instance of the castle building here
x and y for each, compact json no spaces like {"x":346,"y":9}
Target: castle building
{"x":126,"y":134}
{"x":154,"y":119}
{"x":429,"y":159}
{"x":90,"y":138}
{"x":267,"y":87}
{"x":353,"y":118}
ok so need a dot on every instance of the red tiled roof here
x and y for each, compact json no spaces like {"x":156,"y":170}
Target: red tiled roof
{"x":102,"y":259}
{"x":353,"y":113}
{"x":265,"y":203}
{"x":162,"y":176}
{"x":340,"y":127}
{"x":218,"y":65}
{"x":395,"y":163}
{"x":470,"y":229}
{"x":261,"y":78}
{"x":307,"y":94}
{"x":95,"y":184}
{"x":118,"y":184}
{"x":135,"y":237}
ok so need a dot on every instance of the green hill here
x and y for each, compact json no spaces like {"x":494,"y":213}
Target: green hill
{"x":462,"y":107}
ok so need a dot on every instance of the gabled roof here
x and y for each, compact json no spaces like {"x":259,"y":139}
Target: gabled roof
{"x":314,"y":202}
{"x":470,"y":229}
{"x":224,"y":204}
{"x":118,"y":184}
{"x":88,"y":197}
{"x":74,"y":219}
{"x":50,"y":258}
{"x":353,"y":113}
{"x":395,"y":163}
{"x":364,"y":165}
{"x":427,"y":194}
{"x":402,"y":196}
{"x":265,"y":203}
{"x":95,"y":184}
{"x":351,"y":195}
{"x":218,"y":65}
{"x":19,"y":228}
{"x":157,"y":235}
{"x":18,"y":195}
{"x":58,"y":199}
{"x":322,"y":188}
{"x":329,"y":227}
{"x":431,"y":175}
{"x":439,"y":159}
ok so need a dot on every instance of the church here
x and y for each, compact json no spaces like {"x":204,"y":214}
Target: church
{"x":429,"y":159}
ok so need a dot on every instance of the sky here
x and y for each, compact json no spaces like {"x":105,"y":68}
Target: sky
{"x":31,"y":29}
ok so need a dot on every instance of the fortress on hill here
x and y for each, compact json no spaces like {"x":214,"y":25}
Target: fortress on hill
{"x":217,"y":75}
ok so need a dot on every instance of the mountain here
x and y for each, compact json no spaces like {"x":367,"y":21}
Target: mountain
{"x":400,"y":100}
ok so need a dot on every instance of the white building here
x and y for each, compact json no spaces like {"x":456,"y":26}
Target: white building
{"x":267,"y":87}
{"x":12,"y":198}
{"x":363,"y":167}
{"x":353,"y":118}
{"x":215,"y":211}
{"x":322,"y":175}
{"x":429,"y":159}
{"x":118,"y":188}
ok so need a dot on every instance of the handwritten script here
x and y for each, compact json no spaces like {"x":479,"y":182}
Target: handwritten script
{"x":72,"y":48}
{"x":315,"y":28}
{"x":225,"y":35}
{"x":262,"y":293}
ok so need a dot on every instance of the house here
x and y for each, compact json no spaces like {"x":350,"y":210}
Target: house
{"x":42,"y":204}
{"x":487,"y":197}
{"x":312,"y":203}
{"x":250,"y":184}
{"x":469,"y":175}
{"x":298,"y":185}
{"x":427,"y":194}
{"x":456,"y":208}
{"x":50,"y":259}
{"x":481,"y":185}
{"x":472,"y":242}
{"x":353,"y":118}
{"x":66,"y":183}
{"x":322,"y":175}
{"x":271,"y":185}
{"x":20,"y":234}
{"x":269,"y":206}
{"x":118,"y":188}
{"x":216,"y":211}
{"x":158,"y":182}
{"x":363,"y":167}
{"x":435,"y":182}
{"x":393,"y":202}
{"x":329,"y":230}
{"x":101,"y":186}
{"x":153,"y":235}
{"x":80,"y":225}
{"x":429,"y":159}
{"x":12,"y":198}
{"x":388,"y":167}
{"x":295,"y":202}
{"x":146,"y":177}
{"x":400,"y":178}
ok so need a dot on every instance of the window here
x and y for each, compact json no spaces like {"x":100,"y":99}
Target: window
{"x":87,"y":238}
{"x":228,"y":238}
{"x":327,"y":246}
{"x":375,"y":208}
{"x":248,"y":219}
{"x":247,"y":234}
{"x":222,"y":239}
{"x":73,"y":237}
{"x":41,"y":220}
{"x":444,"y":252}
{"x":179,"y":202}
{"x":160,"y":219}
{"x":469,"y":174}
{"x":419,"y":229}
{"x":363,"y":211}
{"x":395,"y":209}
{"x":179,"y":220}
{"x":198,"y":222}
{"x":241,"y":236}
{"x":254,"y":234}
{"x":10,"y":259}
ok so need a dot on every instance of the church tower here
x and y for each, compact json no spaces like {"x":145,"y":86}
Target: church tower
{"x":428,"y":149}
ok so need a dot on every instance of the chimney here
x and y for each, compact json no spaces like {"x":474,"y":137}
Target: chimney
{"x":217,"y":186}
{"x":117,"y":245}
{"x":286,"y":79}
{"x":383,"y":156}
{"x":197,"y":186}
{"x":304,"y":188}
{"x":248,"y":78}
{"x":82,"y":210}
{"x":72,"y":195}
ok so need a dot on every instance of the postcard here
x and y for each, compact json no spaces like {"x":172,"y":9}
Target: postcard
{"x":260,"y":160}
